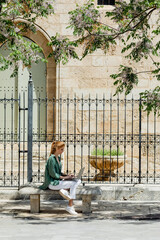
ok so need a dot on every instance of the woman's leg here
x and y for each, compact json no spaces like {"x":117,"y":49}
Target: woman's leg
{"x":72,"y":185}
{"x":70,"y":203}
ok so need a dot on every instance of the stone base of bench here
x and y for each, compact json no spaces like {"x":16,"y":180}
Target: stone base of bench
{"x":87,"y":193}
{"x":86,"y":203}
{"x":34,"y":203}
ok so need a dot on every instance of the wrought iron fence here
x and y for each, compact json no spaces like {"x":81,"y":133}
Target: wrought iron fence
{"x":112,"y":138}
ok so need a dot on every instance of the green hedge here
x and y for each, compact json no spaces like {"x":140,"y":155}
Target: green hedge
{"x":105,"y":152}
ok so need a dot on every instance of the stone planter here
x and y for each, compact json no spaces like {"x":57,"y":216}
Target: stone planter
{"x":106,"y":166}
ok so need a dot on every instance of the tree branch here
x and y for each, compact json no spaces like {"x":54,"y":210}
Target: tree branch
{"x":1,"y":13}
{"x":131,"y":29}
{"x":144,"y":72}
{"x":115,"y":35}
{"x":108,"y":26}
{"x":153,"y":61}
{"x":139,"y":15}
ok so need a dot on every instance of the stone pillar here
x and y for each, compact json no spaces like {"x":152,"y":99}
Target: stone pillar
{"x":86,"y":204}
{"x":35,"y":203}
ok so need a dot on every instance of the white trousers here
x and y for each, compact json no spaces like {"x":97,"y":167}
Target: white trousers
{"x":63,"y":184}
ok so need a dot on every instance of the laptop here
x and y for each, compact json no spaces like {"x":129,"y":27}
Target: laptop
{"x":79,"y":175}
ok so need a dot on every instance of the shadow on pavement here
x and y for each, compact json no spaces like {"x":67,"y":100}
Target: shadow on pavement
{"x":52,"y":214}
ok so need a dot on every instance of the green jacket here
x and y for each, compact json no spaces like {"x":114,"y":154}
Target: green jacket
{"x":52,"y":172}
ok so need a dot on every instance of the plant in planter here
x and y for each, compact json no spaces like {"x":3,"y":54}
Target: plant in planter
{"x":107,"y":162}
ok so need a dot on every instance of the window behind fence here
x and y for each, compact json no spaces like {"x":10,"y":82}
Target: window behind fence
{"x":106,"y":2}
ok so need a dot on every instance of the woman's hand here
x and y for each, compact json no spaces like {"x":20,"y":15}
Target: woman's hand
{"x":73,"y":176}
{"x":67,"y":177}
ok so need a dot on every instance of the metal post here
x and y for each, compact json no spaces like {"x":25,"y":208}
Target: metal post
{"x":30,"y":127}
{"x":19,"y":156}
{"x":140,"y":137}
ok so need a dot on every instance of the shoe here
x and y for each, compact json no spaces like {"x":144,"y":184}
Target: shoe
{"x":71,"y":210}
{"x":65,"y":194}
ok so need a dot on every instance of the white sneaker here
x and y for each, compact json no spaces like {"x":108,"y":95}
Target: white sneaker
{"x":65,"y":194}
{"x":71,"y":210}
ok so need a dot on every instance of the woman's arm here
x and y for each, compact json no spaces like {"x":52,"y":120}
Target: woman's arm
{"x":52,"y":169}
{"x":66,"y":177}
{"x":54,"y":174}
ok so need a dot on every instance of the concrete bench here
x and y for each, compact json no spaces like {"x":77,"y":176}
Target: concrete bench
{"x":85,"y":193}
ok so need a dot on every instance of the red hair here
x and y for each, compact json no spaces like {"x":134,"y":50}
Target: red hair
{"x":55,"y":145}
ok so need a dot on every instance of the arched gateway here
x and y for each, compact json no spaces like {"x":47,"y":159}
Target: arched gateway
{"x":44,"y":86}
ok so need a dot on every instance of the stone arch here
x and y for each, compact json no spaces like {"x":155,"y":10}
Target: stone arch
{"x":41,"y":38}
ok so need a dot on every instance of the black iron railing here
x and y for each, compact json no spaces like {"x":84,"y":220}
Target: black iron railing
{"x":112,"y":138}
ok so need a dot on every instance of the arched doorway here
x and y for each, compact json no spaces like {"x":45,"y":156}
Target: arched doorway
{"x":16,"y":88}
{"x":44,"y":81}
{"x":42,"y":39}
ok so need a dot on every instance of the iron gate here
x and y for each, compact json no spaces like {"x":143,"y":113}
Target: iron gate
{"x":16,"y":138}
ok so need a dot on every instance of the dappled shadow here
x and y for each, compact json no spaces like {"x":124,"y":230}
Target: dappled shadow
{"x":54,"y":213}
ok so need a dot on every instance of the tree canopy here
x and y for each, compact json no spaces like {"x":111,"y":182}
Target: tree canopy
{"x":140,"y":41}
{"x":16,"y":18}
{"x":133,"y":27}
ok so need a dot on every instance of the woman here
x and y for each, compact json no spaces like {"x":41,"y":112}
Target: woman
{"x":56,"y":180}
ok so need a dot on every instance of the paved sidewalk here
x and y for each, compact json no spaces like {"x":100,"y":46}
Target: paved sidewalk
{"x":109,"y":220}
{"x":86,"y":228}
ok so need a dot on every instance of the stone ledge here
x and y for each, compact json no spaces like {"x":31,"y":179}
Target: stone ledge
{"x":110,"y":192}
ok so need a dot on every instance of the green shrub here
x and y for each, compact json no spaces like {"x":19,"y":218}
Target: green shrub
{"x":106,"y":152}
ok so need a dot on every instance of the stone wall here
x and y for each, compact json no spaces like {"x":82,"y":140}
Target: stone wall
{"x":92,"y":74}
